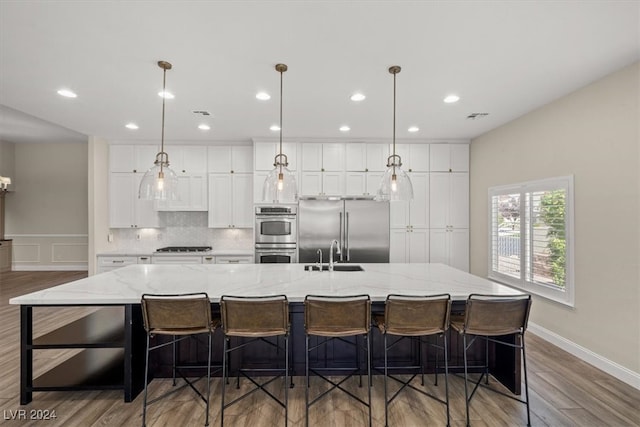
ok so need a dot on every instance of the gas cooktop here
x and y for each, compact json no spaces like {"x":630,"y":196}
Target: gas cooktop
{"x":185,"y":249}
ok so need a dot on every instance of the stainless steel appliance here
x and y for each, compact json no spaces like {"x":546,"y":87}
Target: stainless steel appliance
{"x":276,"y":253}
{"x":276,"y":234}
{"x":276,"y":224}
{"x":184,"y":249}
{"x":361,"y":226}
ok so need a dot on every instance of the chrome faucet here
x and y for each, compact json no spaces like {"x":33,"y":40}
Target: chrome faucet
{"x":319,"y":252}
{"x":331,"y":253}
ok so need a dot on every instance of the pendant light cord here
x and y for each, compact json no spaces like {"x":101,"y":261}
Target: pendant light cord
{"x":164,"y":97}
{"x":281,"y":73}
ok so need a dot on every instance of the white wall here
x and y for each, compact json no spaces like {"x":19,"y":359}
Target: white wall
{"x":98,"y":203}
{"x":593,"y":134}
{"x":46,"y":214}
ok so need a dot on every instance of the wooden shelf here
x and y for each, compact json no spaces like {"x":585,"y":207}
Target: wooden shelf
{"x":92,"y":369}
{"x":104,"y":328}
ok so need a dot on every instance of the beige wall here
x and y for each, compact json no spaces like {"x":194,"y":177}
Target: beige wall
{"x":593,"y":135}
{"x":7,"y":160}
{"x":47,"y":212}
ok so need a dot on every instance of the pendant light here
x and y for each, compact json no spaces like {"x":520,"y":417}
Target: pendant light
{"x":395,"y":184}
{"x":160,"y":182}
{"x":280,"y":184}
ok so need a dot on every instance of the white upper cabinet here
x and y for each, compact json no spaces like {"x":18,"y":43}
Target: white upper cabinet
{"x":230,"y":159}
{"x":449,"y":158}
{"x":327,"y":157}
{"x":187,"y":159}
{"x":414,"y":213}
{"x":230,"y":200}
{"x":365,"y":157}
{"x":265,"y":153}
{"x":125,"y":209}
{"x":132,"y":158}
{"x":415,"y":157}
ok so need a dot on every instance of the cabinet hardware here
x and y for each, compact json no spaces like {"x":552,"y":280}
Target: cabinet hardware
{"x":231,"y":171}
{"x":184,"y":171}
{"x":322,"y":170}
{"x":208,"y":258}
{"x":410,"y":170}
{"x":117,"y":261}
{"x":144,"y":258}
{"x":366,"y":169}
{"x":233,"y":261}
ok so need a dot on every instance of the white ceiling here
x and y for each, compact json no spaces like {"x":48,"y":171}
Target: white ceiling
{"x":504,"y":58}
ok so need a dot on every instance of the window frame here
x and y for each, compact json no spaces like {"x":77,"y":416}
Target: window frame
{"x":564,"y":296}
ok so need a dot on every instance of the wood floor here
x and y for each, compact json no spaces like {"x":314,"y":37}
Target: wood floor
{"x":564,"y":391}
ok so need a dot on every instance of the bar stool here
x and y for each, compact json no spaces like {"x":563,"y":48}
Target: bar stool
{"x":255,"y":318}
{"x":490,"y":317}
{"x":184,"y":315}
{"x":414,"y":317}
{"x":337,"y":317}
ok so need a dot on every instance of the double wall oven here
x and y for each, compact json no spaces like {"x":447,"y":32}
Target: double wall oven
{"x":276,"y":234}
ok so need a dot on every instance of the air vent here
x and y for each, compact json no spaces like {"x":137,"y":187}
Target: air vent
{"x":476,"y":116}
{"x":203,"y":112}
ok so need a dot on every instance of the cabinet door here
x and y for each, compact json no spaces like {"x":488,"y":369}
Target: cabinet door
{"x":449,"y":158}
{"x":146,"y":215}
{"x":194,"y":159}
{"x":419,"y":206}
{"x":459,"y":249}
{"x":418,"y":160}
{"x":311,"y":183}
{"x":439,"y":158}
{"x":355,"y":183}
{"x":418,"y":245}
{"x":144,"y":156}
{"x":399,"y":214}
{"x":398,"y":248}
{"x":377,"y":155}
{"x":311,"y":157}
{"x":439,"y":246}
{"x":459,"y":157}
{"x":439,"y":194}
{"x":219,"y":159}
{"x":121,"y":200}
{"x":242,"y":159}
{"x":258,"y":186}
{"x":198,"y":194}
{"x":333,"y":157}
{"x":355,"y":156}
{"x":373,"y":182}
{"x":264,"y":153}
{"x":459,"y":200}
{"x":122,"y":158}
{"x":242,"y":204}
{"x":333,"y":183}
{"x":220,"y":202}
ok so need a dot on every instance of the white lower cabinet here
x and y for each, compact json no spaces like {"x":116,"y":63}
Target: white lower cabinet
{"x":450,"y":246}
{"x":409,"y":245}
{"x":112,"y":262}
{"x":237,"y":259}
{"x":176,"y":259}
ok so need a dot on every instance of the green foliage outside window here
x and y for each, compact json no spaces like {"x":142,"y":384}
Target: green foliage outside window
{"x":553,"y":208}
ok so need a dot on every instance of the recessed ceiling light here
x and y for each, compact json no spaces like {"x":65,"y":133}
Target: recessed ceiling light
{"x":358,"y":97}
{"x":132,"y":126}
{"x":263,"y":96}
{"x":274,"y":127}
{"x":165,"y":94}
{"x":450,"y":99}
{"x":204,"y":126}
{"x":345,"y":128}
{"x":67,"y":93}
{"x":413,"y":129}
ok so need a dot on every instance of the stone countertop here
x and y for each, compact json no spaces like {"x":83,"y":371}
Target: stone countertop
{"x":126,"y":285}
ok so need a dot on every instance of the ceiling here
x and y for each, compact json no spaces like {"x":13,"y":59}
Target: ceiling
{"x":504,"y":58}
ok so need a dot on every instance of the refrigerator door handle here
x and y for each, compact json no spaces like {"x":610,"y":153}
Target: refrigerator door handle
{"x":341,"y":237}
{"x":347,"y":236}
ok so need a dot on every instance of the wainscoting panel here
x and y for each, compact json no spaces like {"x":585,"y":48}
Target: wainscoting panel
{"x":42,"y":252}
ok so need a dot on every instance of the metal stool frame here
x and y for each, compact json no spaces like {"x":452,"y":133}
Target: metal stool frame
{"x":185,"y":315}
{"x":488,"y":316}
{"x":334,"y":317}
{"x":255,"y":318}
{"x":414,"y":317}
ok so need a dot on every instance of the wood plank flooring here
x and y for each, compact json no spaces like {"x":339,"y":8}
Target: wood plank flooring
{"x":564,"y":391}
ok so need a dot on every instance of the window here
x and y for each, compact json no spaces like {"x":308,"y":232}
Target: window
{"x":531,"y":237}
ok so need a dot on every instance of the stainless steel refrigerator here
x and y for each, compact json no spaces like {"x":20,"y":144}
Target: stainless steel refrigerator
{"x":361,"y":226}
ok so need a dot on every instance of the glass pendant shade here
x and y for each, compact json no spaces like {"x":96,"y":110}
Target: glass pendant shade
{"x":280,"y":186}
{"x":159,"y":182}
{"x":395,"y":184}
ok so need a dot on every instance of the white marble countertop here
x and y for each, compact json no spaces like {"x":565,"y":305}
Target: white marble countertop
{"x":126,"y":285}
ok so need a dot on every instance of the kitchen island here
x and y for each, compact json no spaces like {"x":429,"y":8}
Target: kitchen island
{"x":113,"y":339}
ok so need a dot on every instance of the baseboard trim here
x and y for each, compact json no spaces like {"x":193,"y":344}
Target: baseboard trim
{"x":610,"y":367}
{"x":42,"y":267}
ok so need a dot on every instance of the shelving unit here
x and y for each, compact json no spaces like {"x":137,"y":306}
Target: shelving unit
{"x":104,"y":362}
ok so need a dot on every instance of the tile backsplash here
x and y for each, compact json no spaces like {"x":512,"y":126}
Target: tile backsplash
{"x":180,"y":229}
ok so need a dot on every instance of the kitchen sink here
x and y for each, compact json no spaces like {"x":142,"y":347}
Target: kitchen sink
{"x":336,"y":267}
